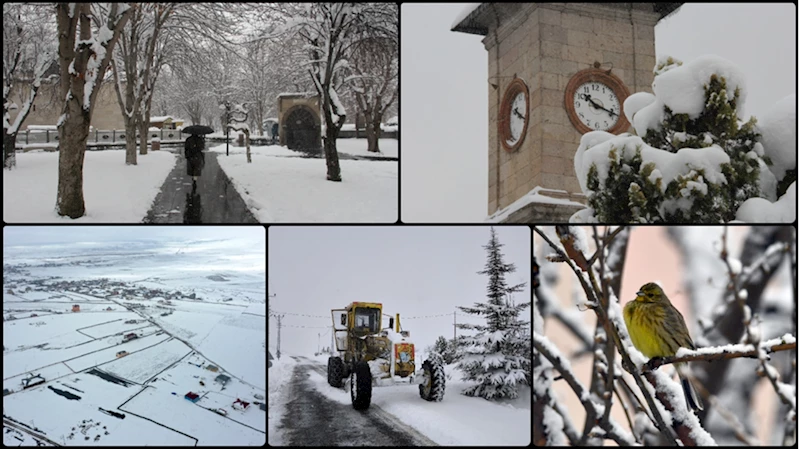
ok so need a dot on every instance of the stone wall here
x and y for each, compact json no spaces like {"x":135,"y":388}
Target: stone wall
{"x":48,"y":105}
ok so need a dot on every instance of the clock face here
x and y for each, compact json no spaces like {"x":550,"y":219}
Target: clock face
{"x":514,"y":115}
{"x":597,"y":106}
{"x":518,"y":117}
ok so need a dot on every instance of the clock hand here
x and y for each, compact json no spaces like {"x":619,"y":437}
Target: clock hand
{"x":516,"y":111}
{"x":596,"y":105}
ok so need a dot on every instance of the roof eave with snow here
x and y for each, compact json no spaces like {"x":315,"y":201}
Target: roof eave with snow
{"x":477,"y":21}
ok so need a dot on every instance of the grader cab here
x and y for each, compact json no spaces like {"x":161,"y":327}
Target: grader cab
{"x":372,"y":355}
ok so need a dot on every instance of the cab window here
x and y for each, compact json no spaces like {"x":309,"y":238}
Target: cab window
{"x":367,"y":319}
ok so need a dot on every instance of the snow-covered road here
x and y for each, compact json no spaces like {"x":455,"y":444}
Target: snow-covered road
{"x":313,"y":419}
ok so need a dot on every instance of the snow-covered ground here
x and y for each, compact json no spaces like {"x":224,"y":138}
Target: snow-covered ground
{"x":458,"y":420}
{"x":177,"y":294}
{"x":113,"y":192}
{"x":357,"y":147}
{"x":295,"y":189}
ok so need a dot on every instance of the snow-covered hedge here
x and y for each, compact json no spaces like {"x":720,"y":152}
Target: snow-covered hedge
{"x":693,"y":160}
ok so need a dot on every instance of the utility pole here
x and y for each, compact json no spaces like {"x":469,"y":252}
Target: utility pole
{"x":454,"y":329}
{"x":318,"y":340}
{"x":279,"y":317}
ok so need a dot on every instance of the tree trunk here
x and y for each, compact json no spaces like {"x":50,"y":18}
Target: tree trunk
{"x":9,"y":150}
{"x":71,"y":149}
{"x":130,"y":142}
{"x":247,"y":142}
{"x":144,"y":133}
{"x":372,"y":135}
{"x":331,"y":155}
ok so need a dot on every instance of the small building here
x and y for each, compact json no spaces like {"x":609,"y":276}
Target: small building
{"x":263,"y":406}
{"x":76,"y":308}
{"x":165,"y":122}
{"x":122,"y":353}
{"x":222,"y":379}
{"x":32,"y":380}
{"x":212,"y":368}
{"x":108,"y":308}
{"x":238,"y":404}
{"x":193,"y":397}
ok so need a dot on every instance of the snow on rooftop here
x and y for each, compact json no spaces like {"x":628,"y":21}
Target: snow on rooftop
{"x":467,"y":9}
{"x":161,"y":118}
{"x":297,"y":94}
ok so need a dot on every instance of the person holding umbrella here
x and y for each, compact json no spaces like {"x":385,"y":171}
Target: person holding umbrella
{"x":195,"y":159}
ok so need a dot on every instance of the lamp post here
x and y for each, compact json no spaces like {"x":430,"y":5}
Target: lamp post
{"x":227,"y":128}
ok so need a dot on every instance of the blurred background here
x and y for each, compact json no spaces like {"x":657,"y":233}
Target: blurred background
{"x":686,"y":262}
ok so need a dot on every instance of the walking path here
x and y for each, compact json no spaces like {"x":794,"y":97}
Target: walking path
{"x":215,"y":200}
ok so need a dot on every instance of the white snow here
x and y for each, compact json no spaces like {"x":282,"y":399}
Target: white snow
{"x":682,"y":88}
{"x":635,"y":103}
{"x":358,"y":147}
{"x":294,"y":189}
{"x":554,"y":425}
{"x":537,"y":195}
{"x":760,"y":210}
{"x":778,"y":135}
{"x":670,"y":165}
{"x":113,"y":192}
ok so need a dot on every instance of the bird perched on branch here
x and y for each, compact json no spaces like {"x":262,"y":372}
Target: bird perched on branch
{"x":658,"y":329}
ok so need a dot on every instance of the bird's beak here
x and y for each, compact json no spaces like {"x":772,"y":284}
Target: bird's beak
{"x":640,"y":293}
{"x":639,"y":296}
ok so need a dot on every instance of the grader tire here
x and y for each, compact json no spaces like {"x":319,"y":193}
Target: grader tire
{"x":433,"y":389}
{"x":335,"y":371}
{"x":361,"y":386}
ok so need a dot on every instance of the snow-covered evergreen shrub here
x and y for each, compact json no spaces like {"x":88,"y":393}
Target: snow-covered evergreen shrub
{"x":694,"y":162}
{"x":495,"y":357}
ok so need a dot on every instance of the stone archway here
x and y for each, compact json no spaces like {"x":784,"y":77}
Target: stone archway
{"x":301,"y":128}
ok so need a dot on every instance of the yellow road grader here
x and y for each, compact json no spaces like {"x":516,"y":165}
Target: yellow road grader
{"x":375,"y":356}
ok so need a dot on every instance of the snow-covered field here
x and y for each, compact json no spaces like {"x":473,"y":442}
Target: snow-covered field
{"x":357,"y":147}
{"x":113,"y":192}
{"x":294,"y":189}
{"x":177,"y":293}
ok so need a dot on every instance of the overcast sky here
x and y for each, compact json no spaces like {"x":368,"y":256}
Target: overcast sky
{"x":39,"y":235}
{"x":413,"y":271}
{"x":444,"y":92}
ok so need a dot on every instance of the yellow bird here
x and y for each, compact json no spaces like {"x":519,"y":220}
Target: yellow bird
{"x":658,"y":329}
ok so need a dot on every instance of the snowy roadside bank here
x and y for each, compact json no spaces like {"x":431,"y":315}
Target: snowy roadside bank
{"x":113,"y":192}
{"x":278,"y":378}
{"x":283,"y":189}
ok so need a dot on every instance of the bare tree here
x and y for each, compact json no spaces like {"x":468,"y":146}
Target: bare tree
{"x":329,"y":31}
{"x":28,"y":53}
{"x":83,"y":61}
{"x":374,"y":65}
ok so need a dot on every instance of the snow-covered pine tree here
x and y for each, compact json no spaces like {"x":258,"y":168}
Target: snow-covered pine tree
{"x":491,"y":357}
{"x":630,"y":186}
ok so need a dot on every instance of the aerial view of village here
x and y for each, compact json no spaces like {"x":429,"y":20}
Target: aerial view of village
{"x":134,"y":336}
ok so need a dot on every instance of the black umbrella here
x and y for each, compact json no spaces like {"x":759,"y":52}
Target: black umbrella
{"x":198,"y":129}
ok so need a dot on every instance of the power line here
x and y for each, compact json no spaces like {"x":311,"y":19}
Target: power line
{"x":302,"y":314}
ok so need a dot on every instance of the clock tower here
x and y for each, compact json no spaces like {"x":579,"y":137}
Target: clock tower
{"x":555,"y":72}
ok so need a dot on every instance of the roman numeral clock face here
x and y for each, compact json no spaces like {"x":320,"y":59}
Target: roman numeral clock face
{"x":594,"y":99}
{"x":597,"y":106}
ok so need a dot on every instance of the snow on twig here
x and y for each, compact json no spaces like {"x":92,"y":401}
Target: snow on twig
{"x":561,"y":363}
